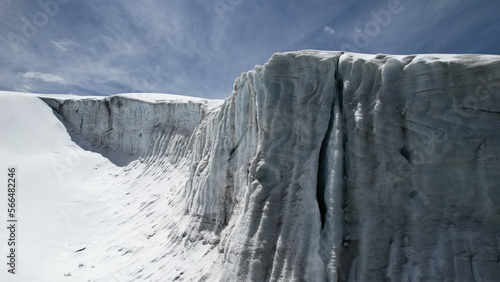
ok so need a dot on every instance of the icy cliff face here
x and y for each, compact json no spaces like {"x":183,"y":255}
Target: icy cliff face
{"x":421,"y":158}
{"x":129,"y":125}
{"x":326,"y":166}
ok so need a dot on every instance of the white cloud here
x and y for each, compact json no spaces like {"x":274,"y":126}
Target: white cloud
{"x":59,"y":45}
{"x":24,"y":88}
{"x":329,"y":30}
{"x":46,"y":77}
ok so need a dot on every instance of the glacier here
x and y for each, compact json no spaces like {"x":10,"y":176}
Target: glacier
{"x":321,"y":166}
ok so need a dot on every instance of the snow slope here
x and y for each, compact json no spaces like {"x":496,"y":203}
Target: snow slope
{"x":115,"y":205}
{"x":321,"y":166}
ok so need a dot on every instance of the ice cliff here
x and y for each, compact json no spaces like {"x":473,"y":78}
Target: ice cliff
{"x":326,"y":166}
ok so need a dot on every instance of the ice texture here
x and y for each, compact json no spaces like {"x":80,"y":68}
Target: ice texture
{"x":326,"y":166}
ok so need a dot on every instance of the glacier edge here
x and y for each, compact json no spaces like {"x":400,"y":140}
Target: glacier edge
{"x":329,"y":166}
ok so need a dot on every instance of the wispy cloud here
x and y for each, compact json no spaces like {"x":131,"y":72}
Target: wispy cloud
{"x":329,"y":30}
{"x":45,"y":77}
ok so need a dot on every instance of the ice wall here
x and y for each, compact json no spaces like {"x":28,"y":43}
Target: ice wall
{"x":421,"y":158}
{"x":132,"y":126}
{"x":330,"y":166}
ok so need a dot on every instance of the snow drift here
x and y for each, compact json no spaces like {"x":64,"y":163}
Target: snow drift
{"x":321,"y":166}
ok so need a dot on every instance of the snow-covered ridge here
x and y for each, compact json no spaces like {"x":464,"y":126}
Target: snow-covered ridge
{"x":321,"y":166}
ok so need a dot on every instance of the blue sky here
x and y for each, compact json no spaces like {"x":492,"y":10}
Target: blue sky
{"x":198,"y":48}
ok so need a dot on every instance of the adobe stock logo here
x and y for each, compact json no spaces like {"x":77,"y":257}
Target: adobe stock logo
{"x":30,"y":27}
{"x":223,"y":6}
{"x":485,"y":89}
{"x":364,"y":35}
{"x":68,"y":163}
{"x":151,"y":79}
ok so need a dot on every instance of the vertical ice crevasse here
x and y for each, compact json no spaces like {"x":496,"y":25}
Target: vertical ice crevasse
{"x":331,"y":186}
